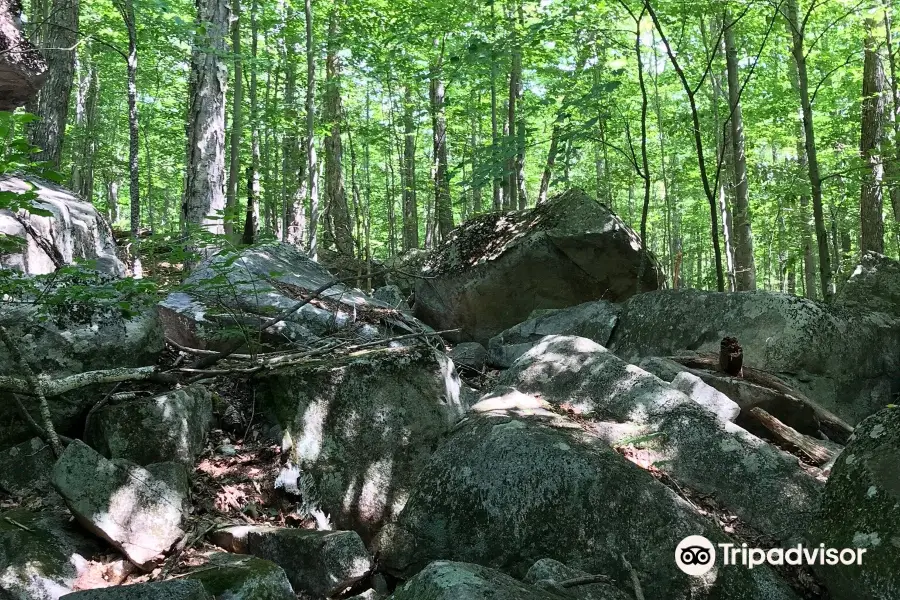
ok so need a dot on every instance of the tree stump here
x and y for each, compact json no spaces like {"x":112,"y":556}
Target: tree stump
{"x":731,"y":357}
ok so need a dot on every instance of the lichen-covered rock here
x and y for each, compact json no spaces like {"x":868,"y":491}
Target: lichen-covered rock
{"x":25,"y":470}
{"x":495,"y":269}
{"x":22,"y":68}
{"x":173,"y":589}
{"x":447,"y":580}
{"x":859,"y":510}
{"x":64,"y":344}
{"x":232,"y":292}
{"x":592,"y":320}
{"x":234,"y":538}
{"x":138,"y":510}
{"x":74,"y":231}
{"x":41,"y":555}
{"x":169,"y":427}
{"x":231,"y":577}
{"x":763,"y":485}
{"x":364,"y":427}
{"x":548,"y":571}
{"x":846,"y":360}
{"x":874,"y":285}
{"x":516,"y":482}
{"x":470,"y":355}
{"x":707,"y":396}
{"x":320,"y":563}
{"x":392,"y":296}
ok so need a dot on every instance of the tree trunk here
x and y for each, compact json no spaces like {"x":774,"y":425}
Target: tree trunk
{"x":204,"y":194}
{"x":551,"y":160}
{"x":112,"y":200}
{"x":83,"y":174}
{"x":744,"y":266}
{"x":237,"y":117}
{"x":294,"y":163}
{"x":815,"y":180}
{"x":58,"y":44}
{"x":337,"y":211}
{"x":410,"y":210}
{"x":892,"y":167}
{"x":477,"y":200}
{"x":871,"y":132}
{"x":495,"y":138}
{"x":312,"y":166}
{"x":251,"y":220}
{"x":515,"y":161}
{"x":442,"y":202}
{"x":126,"y":9}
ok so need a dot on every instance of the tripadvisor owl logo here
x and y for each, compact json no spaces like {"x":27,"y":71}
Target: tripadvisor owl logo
{"x":695,"y":555}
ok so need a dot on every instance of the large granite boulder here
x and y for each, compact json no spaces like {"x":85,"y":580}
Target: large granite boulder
{"x":363,"y":428}
{"x":139,"y":510}
{"x":173,"y":589}
{"x":235,"y":577}
{"x":495,"y":269}
{"x":168,"y":427}
{"x":845,"y":359}
{"x":41,"y":554}
{"x":766,"y":487}
{"x":448,"y":580}
{"x":873,"y":285}
{"x":549,"y":573}
{"x":73,"y":231}
{"x":232,"y":292}
{"x":516,"y":482}
{"x":859,"y":510}
{"x":22,"y":68}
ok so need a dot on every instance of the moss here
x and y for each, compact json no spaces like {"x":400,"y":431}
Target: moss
{"x":237,"y":577}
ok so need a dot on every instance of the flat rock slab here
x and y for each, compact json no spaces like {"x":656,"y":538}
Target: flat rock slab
{"x":316,"y":562}
{"x":138,"y":510}
{"x":707,"y":396}
{"x":41,"y":554}
{"x":235,"y":538}
{"x":169,"y":427}
{"x":447,"y":580}
{"x":174,"y":589}
{"x":230,"y":577}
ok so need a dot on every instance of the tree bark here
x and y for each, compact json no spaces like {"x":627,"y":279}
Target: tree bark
{"x":237,"y":117}
{"x":815,"y":180}
{"x":83,"y":173}
{"x":744,"y":266}
{"x":442,"y":202}
{"x":294,"y":163}
{"x":204,"y":196}
{"x":495,"y":138}
{"x":312,"y":166}
{"x":892,"y":167}
{"x":410,"y":210}
{"x":251,"y":220}
{"x":58,"y":46}
{"x":871,"y":133}
{"x":516,"y":160}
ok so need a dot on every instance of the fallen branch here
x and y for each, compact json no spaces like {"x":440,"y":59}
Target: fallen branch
{"x":812,"y":449}
{"x":79,"y":380}
{"x":585,"y":580}
{"x":635,"y":582}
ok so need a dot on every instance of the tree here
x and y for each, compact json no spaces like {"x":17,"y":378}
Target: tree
{"x":237,"y":116}
{"x":251,"y":220}
{"x":312,"y":167}
{"x":204,"y":196}
{"x":872,"y":131}
{"x":410,"y":208}
{"x":443,"y":207}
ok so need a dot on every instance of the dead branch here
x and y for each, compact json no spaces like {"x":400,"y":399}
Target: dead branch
{"x":635,"y":582}
{"x":812,"y":449}
{"x":585,"y":580}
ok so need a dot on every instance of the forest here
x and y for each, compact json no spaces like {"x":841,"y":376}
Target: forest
{"x":752,"y":144}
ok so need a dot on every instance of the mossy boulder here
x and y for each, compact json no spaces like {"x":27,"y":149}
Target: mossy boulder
{"x":516,"y":482}
{"x":236,"y":577}
{"x":550,"y":573}
{"x":495,"y":269}
{"x":859,"y":510}
{"x":173,"y":589}
{"x":448,"y":580}
{"x":847,"y":360}
{"x":874,"y":285}
{"x":364,"y":427}
{"x":41,"y":554}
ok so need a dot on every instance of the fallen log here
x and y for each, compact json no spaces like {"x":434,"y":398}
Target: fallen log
{"x":811,"y":448}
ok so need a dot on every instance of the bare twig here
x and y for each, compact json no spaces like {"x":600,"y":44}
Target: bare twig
{"x":635,"y":582}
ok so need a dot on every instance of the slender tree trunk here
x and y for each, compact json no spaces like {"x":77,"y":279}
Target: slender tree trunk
{"x":892,"y":167}
{"x":442,"y":202}
{"x":551,"y":160}
{"x":112,"y":200}
{"x":744,"y":266}
{"x":477,"y":200}
{"x":337,"y":211}
{"x":410,"y":210}
{"x":237,"y":117}
{"x":251,"y":220}
{"x":871,"y":132}
{"x":205,"y":187}
{"x":312,"y":163}
{"x":515,"y":85}
{"x":495,"y":138}
{"x":294,"y":162}
{"x":83,"y":174}
{"x":815,"y":180}
{"x":58,"y":45}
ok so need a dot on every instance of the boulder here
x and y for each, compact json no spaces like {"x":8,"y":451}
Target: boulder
{"x":138,"y":510}
{"x":173,"y":589}
{"x":234,"y":538}
{"x":516,"y":482}
{"x":230,"y":577}
{"x":73,"y":231}
{"x":22,"y":68}
{"x":235,"y":291}
{"x":845,"y":359}
{"x":592,"y":320}
{"x":495,"y":269}
{"x":405,"y":269}
{"x":169,"y":427}
{"x":363,"y":427}
{"x":69,"y":340}
{"x":549,"y":573}
{"x":764,"y":486}
{"x":392,"y":296}
{"x":321,"y":563}
{"x":859,"y":510}
{"x":707,"y":396}
{"x":470,"y":355}
{"x":41,"y":555}
{"x":874,"y":285}
{"x":25,"y":470}
{"x":447,"y":580}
